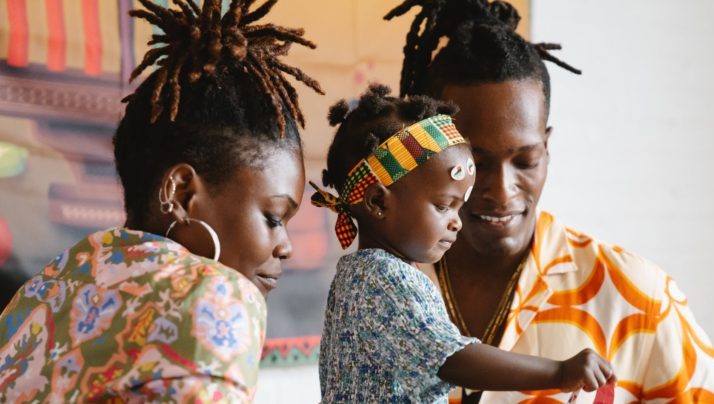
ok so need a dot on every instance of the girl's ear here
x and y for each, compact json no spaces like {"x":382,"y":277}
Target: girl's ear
{"x":376,"y":198}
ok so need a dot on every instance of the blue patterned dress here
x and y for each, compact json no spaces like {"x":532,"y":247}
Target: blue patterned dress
{"x":386,"y":333}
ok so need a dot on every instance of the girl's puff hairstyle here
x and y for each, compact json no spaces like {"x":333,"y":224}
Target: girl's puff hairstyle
{"x":218,"y":99}
{"x":376,"y":117}
{"x":483,"y":47}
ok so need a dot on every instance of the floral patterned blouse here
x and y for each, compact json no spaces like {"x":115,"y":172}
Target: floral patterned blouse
{"x":130,"y":316}
{"x":386,"y":333}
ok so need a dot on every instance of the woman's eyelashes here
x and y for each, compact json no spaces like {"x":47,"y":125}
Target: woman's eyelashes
{"x":273,"y":220}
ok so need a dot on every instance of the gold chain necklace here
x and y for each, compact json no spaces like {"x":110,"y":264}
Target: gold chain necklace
{"x":502,"y":309}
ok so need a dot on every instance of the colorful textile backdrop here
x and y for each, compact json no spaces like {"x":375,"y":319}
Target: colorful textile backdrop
{"x":64,"y":66}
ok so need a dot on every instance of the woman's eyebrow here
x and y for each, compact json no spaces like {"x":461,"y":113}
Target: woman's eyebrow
{"x":287,"y":197}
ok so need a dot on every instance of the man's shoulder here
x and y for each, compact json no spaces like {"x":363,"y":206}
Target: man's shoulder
{"x":621,"y":265}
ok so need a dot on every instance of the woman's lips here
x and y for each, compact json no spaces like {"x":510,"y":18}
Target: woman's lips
{"x":269,"y":282}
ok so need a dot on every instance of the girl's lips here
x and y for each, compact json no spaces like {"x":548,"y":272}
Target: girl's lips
{"x":446,"y":244}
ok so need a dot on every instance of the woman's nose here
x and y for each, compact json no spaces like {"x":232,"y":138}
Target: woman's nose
{"x":284,"y":249}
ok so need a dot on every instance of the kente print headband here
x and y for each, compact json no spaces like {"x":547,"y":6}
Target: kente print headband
{"x":394,"y":158}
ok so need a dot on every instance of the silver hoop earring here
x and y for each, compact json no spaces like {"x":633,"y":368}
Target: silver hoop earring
{"x":211,"y":232}
{"x":166,"y":203}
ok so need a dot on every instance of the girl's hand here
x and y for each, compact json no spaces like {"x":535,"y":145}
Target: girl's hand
{"x":586,"y":370}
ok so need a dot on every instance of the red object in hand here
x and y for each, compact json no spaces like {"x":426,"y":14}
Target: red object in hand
{"x":605,"y":394}
{"x":5,"y":241}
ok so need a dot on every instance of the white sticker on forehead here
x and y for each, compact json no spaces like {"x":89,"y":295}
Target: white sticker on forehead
{"x":470,"y":167}
{"x":458,"y":173}
{"x":467,"y":195}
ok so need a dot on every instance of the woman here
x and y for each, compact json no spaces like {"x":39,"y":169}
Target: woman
{"x":171,"y":306}
{"x":515,"y":278}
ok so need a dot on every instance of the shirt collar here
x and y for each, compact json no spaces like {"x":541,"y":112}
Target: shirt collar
{"x":552,"y":252}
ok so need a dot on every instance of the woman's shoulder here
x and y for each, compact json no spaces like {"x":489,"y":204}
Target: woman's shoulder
{"x":139,"y":262}
{"x":121,"y":274}
{"x":135,"y":306}
{"x":206,"y":277}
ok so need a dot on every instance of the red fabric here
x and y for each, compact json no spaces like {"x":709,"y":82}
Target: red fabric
{"x":93,"y":38}
{"x":57,"y":38}
{"x":17,"y":54}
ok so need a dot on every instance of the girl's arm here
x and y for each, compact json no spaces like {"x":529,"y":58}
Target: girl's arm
{"x":483,"y":367}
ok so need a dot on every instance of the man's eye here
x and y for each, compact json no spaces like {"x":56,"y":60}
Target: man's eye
{"x":528,"y":164}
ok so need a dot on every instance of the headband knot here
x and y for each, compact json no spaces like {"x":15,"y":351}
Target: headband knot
{"x":345,"y":227}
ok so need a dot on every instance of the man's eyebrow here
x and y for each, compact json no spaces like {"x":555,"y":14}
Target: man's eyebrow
{"x":520,"y":149}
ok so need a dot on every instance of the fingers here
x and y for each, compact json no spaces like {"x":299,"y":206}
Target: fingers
{"x":591,"y":381}
{"x":612,"y":379}
{"x":599,"y":373}
{"x":600,"y":377}
{"x":608,"y":372}
{"x":588,"y":370}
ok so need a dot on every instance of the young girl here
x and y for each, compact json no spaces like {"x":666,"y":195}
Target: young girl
{"x":169,"y":308}
{"x":403,"y":172}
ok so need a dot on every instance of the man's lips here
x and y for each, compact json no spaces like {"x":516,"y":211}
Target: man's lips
{"x":498,"y":219}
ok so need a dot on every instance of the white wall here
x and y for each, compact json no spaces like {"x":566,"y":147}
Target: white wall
{"x":296,"y":385}
{"x":633,"y":143}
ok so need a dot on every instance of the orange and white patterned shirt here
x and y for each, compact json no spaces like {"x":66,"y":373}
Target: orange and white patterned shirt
{"x":577,"y":292}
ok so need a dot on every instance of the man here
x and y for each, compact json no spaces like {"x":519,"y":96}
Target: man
{"x":516,"y":278}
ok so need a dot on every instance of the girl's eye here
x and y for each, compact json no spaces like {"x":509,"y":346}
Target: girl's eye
{"x":441,"y":208}
{"x":273,"y":221}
